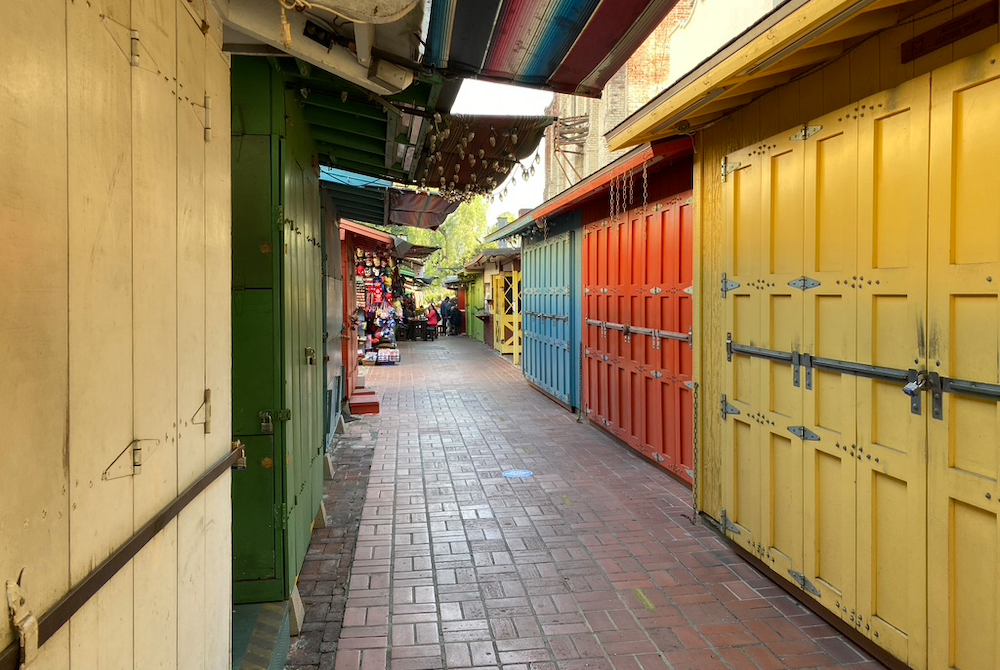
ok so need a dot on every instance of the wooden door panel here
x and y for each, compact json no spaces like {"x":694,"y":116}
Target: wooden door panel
{"x":964,"y":329}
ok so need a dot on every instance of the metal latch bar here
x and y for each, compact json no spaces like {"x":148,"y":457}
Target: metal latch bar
{"x":859,"y":369}
{"x":980,"y":390}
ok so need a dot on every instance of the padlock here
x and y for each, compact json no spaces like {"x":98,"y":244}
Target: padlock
{"x":914,"y":387}
{"x":310,"y":356}
{"x":266,"y":423}
{"x":241,"y":460}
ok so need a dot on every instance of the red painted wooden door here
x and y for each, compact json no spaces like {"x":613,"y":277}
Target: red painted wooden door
{"x":637,"y":274}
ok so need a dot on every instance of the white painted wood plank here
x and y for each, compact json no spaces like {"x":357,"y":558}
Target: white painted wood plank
{"x":191,"y":373}
{"x":34,"y":516}
{"x":218,"y":352}
{"x":154,"y":270}
{"x":100,"y":320}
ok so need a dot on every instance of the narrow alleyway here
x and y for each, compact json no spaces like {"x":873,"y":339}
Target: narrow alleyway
{"x":591,"y":563}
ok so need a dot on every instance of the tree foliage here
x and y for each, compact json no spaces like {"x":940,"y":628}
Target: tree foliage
{"x":460,"y":239}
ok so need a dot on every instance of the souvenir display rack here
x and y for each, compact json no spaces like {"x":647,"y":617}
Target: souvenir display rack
{"x":377,"y":283}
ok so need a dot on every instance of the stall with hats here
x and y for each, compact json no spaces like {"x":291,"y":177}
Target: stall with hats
{"x":371,"y":311}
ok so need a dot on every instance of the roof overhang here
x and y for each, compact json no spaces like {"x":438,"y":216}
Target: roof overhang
{"x":647,"y":154}
{"x":797,"y":37}
{"x":365,"y":231}
{"x":492,"y":256}
{"x":568,"y":46}
{"x":377,"y":201}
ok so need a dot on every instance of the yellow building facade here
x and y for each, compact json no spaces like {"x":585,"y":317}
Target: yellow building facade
{"x":847,"y":246}
{"x":115,"y":329}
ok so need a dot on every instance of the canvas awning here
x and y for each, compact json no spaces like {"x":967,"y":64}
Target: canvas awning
{"x":797,"y":37}
{"x":378,"y":202}
{"x":568,"y":46}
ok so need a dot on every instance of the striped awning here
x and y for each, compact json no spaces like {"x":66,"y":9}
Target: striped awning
{"x":568,"y":46}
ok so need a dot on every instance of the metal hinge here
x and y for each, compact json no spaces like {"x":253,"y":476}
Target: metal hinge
{"x":805,"y":133}
{"x":690,"y":385}
{"x":803,"y":433}
{"x":727,"y":285}
{"x":656,"y":374}
{"x":727,"y":525}
{"x":134,"y":55}
{"x":656,"y":290}
{"x":689,"y":290}
{"x":24,"y":621}
{"x":806,"y":585}
{"x":728,"y":168}
{"x":804,"y":283}
{"x":206,"y":404}
{"x":283,"y":511}
{"x":726,"y":408}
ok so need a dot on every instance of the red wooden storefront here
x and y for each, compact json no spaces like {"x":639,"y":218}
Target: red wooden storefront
{"x":637,"y":311}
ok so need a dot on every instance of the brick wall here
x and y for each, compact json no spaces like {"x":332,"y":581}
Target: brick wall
{"x":642,"y":77}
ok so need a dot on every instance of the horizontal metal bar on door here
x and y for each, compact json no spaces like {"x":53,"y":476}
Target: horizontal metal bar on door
{"x":964,"y":387}
{"x":981,"y":390}
{"x":856,"y":369}
{"x":637,"y":330}
{"x":542,"y":315}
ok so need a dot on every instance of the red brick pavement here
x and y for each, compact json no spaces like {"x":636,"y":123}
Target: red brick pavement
{"x":590,"y":564}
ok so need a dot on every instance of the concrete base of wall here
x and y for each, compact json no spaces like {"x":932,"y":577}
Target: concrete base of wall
{"x":328,"y":471}
{"x":260,"y":636}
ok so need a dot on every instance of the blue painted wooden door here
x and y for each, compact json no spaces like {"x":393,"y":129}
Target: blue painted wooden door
{"x":550,"y":294}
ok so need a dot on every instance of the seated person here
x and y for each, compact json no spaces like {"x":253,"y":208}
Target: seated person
{"x":432,"y":320}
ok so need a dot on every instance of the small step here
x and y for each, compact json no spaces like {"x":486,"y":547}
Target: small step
{"x":365,"y":404}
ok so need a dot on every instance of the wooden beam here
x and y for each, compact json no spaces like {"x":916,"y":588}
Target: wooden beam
{"x":862,"y":25}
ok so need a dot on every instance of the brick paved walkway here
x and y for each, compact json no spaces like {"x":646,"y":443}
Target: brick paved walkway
{"x":590,"y":564}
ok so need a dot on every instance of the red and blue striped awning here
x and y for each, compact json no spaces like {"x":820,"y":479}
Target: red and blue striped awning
{"x":567,"y":46}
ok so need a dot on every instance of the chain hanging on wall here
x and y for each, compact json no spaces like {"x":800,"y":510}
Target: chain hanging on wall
{"x":621,"y":197}
{"x":630,"y":176}
{"x":611,"y":200}
{"x":694,"y":459}
{"x":645,"y":188}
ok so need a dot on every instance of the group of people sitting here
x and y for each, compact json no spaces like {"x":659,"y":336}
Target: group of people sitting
{"x":448,"y":319}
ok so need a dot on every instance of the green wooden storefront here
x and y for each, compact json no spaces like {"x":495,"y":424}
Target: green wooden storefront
{"x":279,"y":380}
{"x":474,"y":326}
